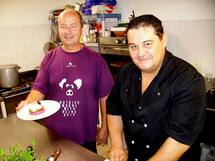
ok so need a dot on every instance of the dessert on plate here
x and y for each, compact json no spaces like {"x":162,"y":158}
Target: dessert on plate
{"x":36,"y":108}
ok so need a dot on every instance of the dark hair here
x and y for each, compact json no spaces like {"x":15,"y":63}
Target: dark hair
{"x":145,"y":21}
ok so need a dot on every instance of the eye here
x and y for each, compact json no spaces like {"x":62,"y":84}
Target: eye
{"x":63,"y":27}
{"x":133,"y":47}
{"x":147,"y":44}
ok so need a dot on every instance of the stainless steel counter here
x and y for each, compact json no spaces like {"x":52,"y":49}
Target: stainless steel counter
{"x":15,"y":131}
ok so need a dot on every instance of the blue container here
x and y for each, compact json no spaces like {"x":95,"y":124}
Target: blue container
{"x":87,"y":11}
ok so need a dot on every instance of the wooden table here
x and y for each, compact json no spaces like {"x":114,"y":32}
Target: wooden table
{"x":15,"y":131}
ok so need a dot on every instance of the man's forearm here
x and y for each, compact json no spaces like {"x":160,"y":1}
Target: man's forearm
{"x":115,"y":127}
{"x":103,"y":111}
{"x":171,"y":150}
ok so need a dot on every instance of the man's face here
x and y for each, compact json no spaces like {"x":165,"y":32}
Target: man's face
{"x":69,"y":29}
{"x":146,"y":49}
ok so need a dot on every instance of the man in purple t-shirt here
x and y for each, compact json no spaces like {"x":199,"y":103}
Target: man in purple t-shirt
{"x":79,"y":79}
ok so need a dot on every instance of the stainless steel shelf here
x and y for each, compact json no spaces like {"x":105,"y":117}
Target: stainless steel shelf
{"x":103,"y":16}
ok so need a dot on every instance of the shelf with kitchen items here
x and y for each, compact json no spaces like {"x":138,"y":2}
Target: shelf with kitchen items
{"x":98,"y":25}
{"x":103,"y":16}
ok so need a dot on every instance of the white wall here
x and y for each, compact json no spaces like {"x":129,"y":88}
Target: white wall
{"x":168,"y":9}
{"x":24,"y":28}
{"x":190,"y":26}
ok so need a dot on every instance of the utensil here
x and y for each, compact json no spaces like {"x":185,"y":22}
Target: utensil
{"x":55,"y":155}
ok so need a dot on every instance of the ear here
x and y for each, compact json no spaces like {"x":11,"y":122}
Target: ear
{"x":164,"y":39}
{"x":82,"y":30}
{"x":78,"y":83}
{"x":62,"y":83}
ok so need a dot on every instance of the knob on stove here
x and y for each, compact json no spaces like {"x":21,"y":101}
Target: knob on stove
{"x":27,"y":85}
{"x":118,"y":41}
{"x":124,"y":41}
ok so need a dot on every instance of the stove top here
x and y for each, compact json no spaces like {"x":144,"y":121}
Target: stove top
{"x":119,"y":41}
{"x":5,"y":92}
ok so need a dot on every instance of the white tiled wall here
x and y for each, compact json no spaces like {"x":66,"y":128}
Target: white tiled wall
{"x":169,"y":9}
{"x":23,"y":45}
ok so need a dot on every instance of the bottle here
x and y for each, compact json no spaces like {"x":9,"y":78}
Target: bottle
{"x":55,"y":155}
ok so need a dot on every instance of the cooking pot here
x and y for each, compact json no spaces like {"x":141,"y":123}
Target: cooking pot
{"x":9,"y":75}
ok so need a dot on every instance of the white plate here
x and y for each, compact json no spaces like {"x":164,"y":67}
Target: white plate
{"x":50,"y":106}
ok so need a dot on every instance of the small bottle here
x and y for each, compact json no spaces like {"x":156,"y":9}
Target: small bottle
{"x":55,"y":155}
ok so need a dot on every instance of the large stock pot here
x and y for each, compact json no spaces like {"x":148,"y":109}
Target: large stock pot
{"x":9,"y":75}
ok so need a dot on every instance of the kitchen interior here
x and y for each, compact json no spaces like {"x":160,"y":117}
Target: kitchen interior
{"x":28,"y":31}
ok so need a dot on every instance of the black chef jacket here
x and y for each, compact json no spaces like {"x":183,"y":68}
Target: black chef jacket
{"x":173,"y":105}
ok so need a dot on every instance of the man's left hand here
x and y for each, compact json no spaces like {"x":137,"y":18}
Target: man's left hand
{"x":102,"y":136}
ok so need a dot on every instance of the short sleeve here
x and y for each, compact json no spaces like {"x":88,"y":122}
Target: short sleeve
{"x":114,"y":104}
{"x":187,"y":113}
{"x":104,"y":81}
{"x":41,"y":82}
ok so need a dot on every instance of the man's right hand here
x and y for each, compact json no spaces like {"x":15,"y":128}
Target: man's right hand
{"x":21,"y":105}
{"x":117,"y":154}
{"x":33,"y":96}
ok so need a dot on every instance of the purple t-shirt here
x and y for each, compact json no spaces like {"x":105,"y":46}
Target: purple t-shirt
{"x":77,"y":81}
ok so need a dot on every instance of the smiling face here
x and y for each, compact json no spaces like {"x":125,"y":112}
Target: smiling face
{"x":146,"y":48}
{"x":70,"y":29}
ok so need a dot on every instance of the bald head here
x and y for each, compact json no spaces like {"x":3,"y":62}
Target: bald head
{"x":72,"y":13}
{"x":70,"y":30}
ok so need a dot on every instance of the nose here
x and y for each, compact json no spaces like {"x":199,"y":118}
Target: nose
{"x":141,"y":50}
{"x":69,"y":30}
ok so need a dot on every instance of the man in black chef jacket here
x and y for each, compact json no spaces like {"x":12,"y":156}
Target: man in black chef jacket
{"x":158,"y":99}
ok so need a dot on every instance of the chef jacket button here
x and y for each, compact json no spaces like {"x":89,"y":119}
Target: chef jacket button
{"x":135,"y":159}
{"x":158,"y":93}
{"x":145,"y":125}
{"x":126,"y":90}
{"x":132,"y":121}
{"x":132,"y":142}
{"x":147,"y":146}
{"x":140,"y":108}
